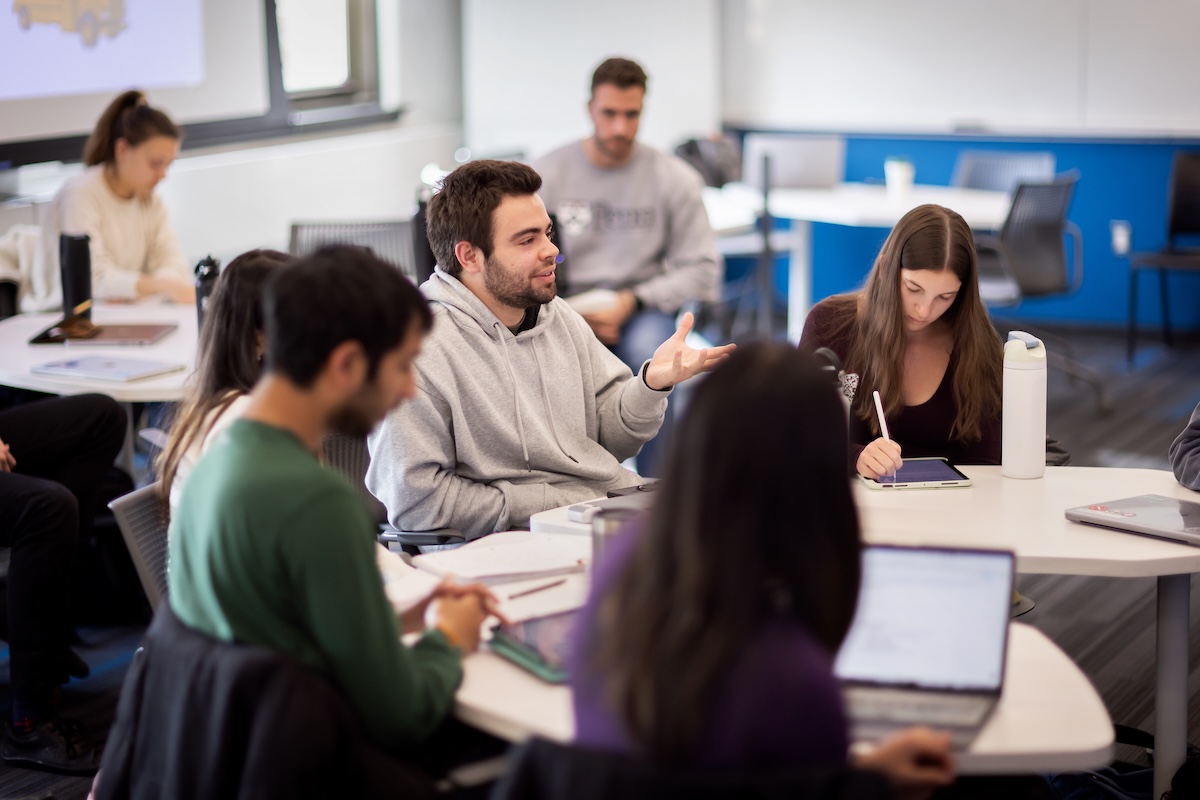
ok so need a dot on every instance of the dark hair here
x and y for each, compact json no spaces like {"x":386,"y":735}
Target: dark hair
{"x":930,"y":237}
{"x":620,"y":72}
{"x":127,"y":117}
{"x":338,"y":294}
{"x":724,"y":549}
{"x":227,"y":360}
{"x":462,"y":208}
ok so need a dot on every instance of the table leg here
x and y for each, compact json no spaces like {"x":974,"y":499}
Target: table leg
{"x":1171,"y":695}
{"x":799,"y":278}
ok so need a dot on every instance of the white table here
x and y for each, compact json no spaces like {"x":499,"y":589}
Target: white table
{"x":857,"y":205}
{"x":1049,"y":718}
{"x":1027,"y":518}
{"x":17,"y":356}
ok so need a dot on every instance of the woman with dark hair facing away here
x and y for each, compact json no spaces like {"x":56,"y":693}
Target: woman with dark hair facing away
{"x":228,"y":363}
{"x":919,"y":334}
{"x":711,"y":629}
{"x":134,"y":250}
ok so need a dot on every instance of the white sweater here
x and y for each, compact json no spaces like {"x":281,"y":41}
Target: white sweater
{"x":130,"y":237}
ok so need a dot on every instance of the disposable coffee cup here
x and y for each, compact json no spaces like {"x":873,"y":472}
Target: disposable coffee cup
{"x":899,"y":175}
{"x":75,"y":264}
{"x":605,"y":524}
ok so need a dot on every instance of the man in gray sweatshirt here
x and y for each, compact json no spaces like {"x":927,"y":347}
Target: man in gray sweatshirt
{"x":631,"y":219}
{"x":519,"y":407}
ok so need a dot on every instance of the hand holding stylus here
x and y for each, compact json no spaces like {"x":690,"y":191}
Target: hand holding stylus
{"x":881,"y":457}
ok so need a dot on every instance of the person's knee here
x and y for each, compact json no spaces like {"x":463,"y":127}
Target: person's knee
{"x":56,"y":511}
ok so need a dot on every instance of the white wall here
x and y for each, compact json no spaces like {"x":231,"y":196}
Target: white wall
{"x":1072,"y":67}
{"x":527,"y":68}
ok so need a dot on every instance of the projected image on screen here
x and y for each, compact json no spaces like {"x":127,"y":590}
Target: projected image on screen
{"x":51,"y":48}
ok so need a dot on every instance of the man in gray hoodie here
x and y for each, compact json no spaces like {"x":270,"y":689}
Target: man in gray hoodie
{"x":520,"y":408}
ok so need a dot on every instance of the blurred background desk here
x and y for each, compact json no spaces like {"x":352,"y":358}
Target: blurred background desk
{"x":859,"y":205}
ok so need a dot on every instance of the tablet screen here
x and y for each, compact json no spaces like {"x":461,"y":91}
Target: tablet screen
{"x":924,"y":470}
{"x":545,"y":637}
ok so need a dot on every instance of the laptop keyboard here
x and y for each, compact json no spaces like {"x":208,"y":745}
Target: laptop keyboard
{"x":916,"y":708}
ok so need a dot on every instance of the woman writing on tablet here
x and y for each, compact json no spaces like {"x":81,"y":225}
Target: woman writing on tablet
{"x":919,"y":334}
{"x":709,"y":636}
{"x":135,"y":253}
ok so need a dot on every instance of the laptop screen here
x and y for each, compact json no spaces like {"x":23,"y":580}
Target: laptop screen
{"x":930,"y":618}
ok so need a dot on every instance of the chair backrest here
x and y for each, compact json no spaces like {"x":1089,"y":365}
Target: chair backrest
{"x":391,"y":241}
{"x":423,"y":258}
{"x":718,"y":160}
{"x":1001,"y":171}
{"x":143,"y":516}
{"x":1033,"y":235}
{"x":1183,"y":212}
{"x":797,"y":160}
{"x":8,"y":298}
{"x":349,"y":456}
{"x":544,"y":770}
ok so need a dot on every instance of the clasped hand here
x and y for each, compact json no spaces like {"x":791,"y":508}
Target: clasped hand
{"x":674,"y":362}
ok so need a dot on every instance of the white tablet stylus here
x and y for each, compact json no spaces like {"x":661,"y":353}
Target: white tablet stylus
{"x":879,"y":410}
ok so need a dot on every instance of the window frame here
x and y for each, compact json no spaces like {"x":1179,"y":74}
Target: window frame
{"x":302,"y":113}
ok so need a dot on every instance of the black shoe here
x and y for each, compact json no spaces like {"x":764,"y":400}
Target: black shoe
{"x":55,"y":744}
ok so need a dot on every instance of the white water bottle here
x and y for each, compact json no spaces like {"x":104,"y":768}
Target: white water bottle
{"x":1023,"y":449}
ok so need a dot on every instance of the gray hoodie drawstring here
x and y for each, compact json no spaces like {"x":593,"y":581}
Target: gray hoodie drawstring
{"x":549,"y":411}
{"x":516,"y":394}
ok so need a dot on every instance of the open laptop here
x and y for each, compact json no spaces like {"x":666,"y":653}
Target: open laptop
{"x":928,"y":641}
{"x":1147,"y":514}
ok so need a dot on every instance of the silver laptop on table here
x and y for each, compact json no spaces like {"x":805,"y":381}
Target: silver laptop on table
{"x":1147,"y":514}
{"x":928,"y":641}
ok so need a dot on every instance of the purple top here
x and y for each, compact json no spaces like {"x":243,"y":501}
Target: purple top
{"x":780,"y":705}
{"x":922,"y":430}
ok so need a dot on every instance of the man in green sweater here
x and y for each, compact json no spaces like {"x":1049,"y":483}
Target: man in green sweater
{"x":271,"y":548}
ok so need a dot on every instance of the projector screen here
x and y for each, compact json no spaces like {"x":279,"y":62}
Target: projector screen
{"x":61,"y":63}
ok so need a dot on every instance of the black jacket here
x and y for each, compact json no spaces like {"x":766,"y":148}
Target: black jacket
{"x":200,"y":719}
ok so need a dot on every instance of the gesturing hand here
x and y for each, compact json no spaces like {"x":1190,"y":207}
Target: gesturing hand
{"x":7,"y":461}
{"x":674,"y":362}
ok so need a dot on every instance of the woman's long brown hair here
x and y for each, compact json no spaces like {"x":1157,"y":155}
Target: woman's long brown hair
{"x":929,"y":237}
{"x":227,"y":359}
{"x":755,"y":522}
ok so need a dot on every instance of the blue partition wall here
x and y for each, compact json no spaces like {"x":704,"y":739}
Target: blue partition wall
{"x":1125,"y":180}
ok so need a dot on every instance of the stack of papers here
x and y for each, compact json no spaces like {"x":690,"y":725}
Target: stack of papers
{"x":404,"y":586}
{"x":510,"y":556}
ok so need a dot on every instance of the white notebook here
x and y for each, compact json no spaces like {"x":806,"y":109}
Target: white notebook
{"x":510,"y":556}
{"x":106,"y":368}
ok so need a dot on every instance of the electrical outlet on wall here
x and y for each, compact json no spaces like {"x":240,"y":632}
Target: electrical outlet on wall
{"x":1122,"y":232}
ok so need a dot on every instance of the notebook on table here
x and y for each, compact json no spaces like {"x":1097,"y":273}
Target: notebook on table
{"x":509,"y":556}
{"x":1146,"y":514}
{"x":927,"y":646}
{"x":105,"y":368}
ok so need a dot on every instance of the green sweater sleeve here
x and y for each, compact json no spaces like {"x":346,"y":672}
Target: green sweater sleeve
{"x":400,"y":693}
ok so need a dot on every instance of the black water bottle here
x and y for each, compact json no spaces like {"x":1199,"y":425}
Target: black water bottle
{"x":206,"y":277}
{"x":75,"y":265}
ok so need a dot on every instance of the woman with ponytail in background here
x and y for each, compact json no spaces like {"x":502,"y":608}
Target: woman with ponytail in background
{"x":134,"y":251}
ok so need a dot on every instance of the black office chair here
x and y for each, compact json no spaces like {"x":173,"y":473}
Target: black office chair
{"x":349,"y":456}
{"x":8,"y":299}
{"x":1000,"y":171}
{"x":391,"y":241}
{"x":1028,"y":260}
{"x":543,"y":770}
{"x":1183,"y":220}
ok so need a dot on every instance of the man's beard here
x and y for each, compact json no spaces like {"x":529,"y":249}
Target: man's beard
{"x":353,"y":420}
{"x":514,"y":289}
